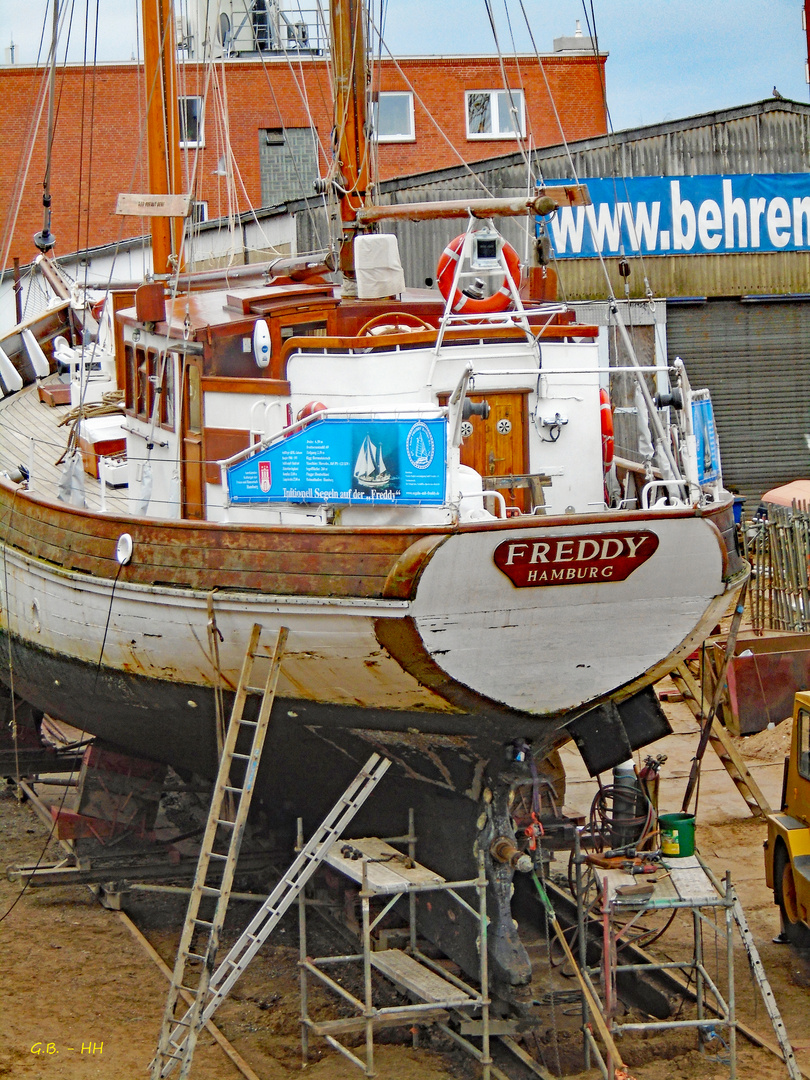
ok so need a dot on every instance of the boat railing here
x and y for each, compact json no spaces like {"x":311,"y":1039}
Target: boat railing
{"x":500,"y":372}
{"x":264,"y":407}
{"x":518,"y":317}
{"x":483,"y":495}
{"x":654,"y":486}
{"x":508,"y":318}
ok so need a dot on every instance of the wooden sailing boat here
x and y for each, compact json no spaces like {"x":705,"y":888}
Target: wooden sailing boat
{"x":445,"y":627}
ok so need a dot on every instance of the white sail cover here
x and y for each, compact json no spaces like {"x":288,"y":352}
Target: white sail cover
{"x":379,"y":270}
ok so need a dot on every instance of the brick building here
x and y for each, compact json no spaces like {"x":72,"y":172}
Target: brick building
{"x":431,"y":112}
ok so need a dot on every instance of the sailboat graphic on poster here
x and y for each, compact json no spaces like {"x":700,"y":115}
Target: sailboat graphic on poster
{"x":419,"y":455}
{"x":370,"y":470}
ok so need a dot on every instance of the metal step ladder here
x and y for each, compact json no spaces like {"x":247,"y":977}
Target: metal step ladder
{"x":219,"y":852}
{"x":721,"y":742}
{"x":771,"y":1007}
{"x":181,"y":1036}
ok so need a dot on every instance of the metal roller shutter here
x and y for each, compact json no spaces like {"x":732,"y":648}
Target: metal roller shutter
{"x":755,"y":360}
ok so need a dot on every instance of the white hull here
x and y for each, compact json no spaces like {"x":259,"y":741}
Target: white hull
{"x":540,"y":651}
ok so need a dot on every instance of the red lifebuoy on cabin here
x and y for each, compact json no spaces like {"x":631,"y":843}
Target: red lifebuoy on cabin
{"x":606,"y":413}
{"x":97,"y":309}
{"x":446,"y":272}
{"x":310,"y":409}
{"x":304,"y":416}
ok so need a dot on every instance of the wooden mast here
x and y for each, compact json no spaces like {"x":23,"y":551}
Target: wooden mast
{"x":163,"y":128}
{"x":351,"y":135}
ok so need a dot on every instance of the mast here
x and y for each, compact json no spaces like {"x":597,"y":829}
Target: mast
{"x":351,"y":134}
{"x":45,"y":239}
{"x":163,"y":128}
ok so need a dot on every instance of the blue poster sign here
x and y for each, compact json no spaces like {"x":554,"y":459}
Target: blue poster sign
{"x":708,"y":450}
{"x":686,"y":215}
{"x":336,"y":460}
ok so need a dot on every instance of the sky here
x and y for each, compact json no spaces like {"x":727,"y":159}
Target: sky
{"x":667,"y":58}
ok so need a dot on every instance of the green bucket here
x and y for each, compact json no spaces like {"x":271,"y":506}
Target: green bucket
{"x":677,"y":835}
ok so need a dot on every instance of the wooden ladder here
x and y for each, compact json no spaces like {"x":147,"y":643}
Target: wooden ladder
{"x":722,"y":744}
{"x":219,"y":852}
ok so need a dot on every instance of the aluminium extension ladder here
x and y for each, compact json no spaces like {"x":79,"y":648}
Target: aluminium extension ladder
{"x":761,"y":980}
{"x":178,"y":1036}
{"x":182,"y":1033}
{"x":219,"y":852}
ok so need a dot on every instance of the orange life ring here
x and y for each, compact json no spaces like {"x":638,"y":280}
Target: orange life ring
{"x":606,"y":413}
{"x":310,"y":409}
{"x":304,"y":416}
{"x":98,"y":308}
{"x":446,"y":272}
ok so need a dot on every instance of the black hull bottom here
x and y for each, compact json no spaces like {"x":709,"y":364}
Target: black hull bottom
{"x":455,"y":770}
{"x":175,"y":723}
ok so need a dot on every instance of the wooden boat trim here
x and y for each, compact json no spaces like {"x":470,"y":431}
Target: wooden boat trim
{"x":314,"y":560}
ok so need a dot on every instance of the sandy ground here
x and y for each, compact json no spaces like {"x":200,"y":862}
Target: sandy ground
{"x":82,"y":999}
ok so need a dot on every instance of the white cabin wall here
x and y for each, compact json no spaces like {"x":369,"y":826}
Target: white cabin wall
{"x":262,"y":236}
{"x":359,"y":380}
{"x":246,"y":412}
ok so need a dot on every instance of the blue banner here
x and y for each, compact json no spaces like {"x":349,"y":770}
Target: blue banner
{"x":707,"y":447}
{"x":331,"y":460}
{"x":660,"y":215}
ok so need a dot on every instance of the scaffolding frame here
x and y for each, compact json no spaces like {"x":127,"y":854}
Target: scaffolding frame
{"x":434,"y":991}
{"x":695,"y":890}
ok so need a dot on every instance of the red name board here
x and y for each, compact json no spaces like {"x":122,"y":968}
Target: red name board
{"x":578,"y":560}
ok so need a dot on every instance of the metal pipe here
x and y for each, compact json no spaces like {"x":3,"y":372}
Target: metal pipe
{"x":607,"y":959}
{"x":486,"y":1057}
{"x":660,"y":438}
{"x":697,"y":931}
{"x":368,"y":1012}
{"x":732,"y":1004}
{"x":17,"y":290}
{"x":581,"y":941}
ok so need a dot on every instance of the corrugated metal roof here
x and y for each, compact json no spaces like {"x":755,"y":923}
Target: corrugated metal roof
{"x":765,"y":273}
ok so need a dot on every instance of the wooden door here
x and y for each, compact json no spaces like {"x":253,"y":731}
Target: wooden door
{"x":193,"y":471}
{"x":499,"y":445}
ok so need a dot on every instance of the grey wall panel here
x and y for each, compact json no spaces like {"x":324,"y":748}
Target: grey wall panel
{"x":755,"y":360}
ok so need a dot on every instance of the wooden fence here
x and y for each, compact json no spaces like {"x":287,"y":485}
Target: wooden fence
{"x":778,"y":548}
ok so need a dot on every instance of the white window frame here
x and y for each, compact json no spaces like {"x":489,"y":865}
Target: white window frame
{"x":190,"y":144}
{"x":520,"y":102}
{"x":398,"y":138}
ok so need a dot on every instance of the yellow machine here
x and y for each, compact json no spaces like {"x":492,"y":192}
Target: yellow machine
{"x":787,"y":849}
